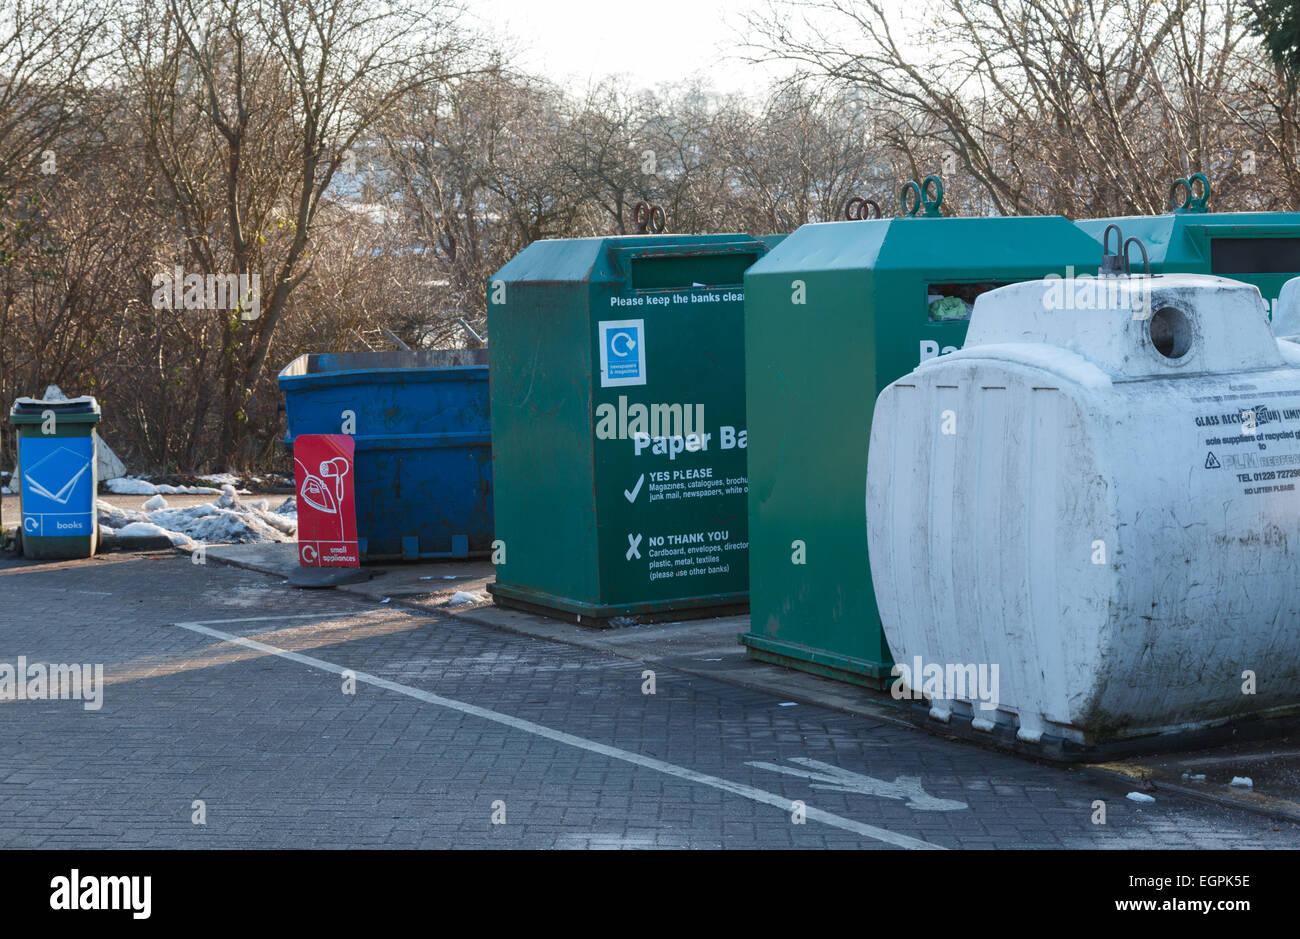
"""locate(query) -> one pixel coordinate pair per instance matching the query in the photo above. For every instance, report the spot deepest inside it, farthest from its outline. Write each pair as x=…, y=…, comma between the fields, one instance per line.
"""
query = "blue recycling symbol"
x=622, y=357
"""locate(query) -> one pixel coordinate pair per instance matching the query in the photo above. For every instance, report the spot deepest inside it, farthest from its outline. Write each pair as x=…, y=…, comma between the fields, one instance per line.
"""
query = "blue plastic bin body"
x=423, y=445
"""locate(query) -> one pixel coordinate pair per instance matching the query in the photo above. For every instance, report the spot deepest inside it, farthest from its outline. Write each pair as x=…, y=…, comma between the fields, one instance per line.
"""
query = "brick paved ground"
x=281, y=757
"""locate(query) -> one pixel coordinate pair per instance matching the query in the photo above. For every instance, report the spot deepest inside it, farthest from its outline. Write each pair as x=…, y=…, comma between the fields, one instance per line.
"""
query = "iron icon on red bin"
x=327, y=518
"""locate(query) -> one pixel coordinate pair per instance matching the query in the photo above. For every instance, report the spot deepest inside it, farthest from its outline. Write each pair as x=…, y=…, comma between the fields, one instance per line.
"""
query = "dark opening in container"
x=1254, y=255
x=1170, y=332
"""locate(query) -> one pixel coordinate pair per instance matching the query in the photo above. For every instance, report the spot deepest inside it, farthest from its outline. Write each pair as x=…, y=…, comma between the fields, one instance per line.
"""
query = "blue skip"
x=423, y=444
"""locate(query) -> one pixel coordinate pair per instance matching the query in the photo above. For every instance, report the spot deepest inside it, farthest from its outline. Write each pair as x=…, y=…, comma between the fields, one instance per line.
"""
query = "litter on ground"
x=460, y=596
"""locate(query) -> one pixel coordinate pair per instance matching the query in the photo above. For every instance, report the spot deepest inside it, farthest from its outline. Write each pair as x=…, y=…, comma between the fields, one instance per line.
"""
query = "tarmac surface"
x=239, y=711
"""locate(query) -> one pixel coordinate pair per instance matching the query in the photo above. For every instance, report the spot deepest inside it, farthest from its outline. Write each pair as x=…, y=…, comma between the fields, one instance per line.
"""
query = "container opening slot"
x=952, y=302
x=681, y=272
x=1254, y=256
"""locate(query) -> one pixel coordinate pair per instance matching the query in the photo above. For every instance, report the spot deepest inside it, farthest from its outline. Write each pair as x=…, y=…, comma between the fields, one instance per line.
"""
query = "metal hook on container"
x=932, y=205
x=858, y=209
x=1191, y=201
x=648, y=217
x=1112, y=264
x=920, y=197
x=1146, y=262
x=913, y=205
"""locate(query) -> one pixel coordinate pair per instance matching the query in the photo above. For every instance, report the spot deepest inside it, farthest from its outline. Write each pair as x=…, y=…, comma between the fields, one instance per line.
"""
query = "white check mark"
x=635, y=491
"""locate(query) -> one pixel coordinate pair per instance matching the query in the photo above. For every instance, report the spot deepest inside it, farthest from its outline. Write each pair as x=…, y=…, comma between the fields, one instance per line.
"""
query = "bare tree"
x=250, y=109
x=1071, y=106
x=47, y=52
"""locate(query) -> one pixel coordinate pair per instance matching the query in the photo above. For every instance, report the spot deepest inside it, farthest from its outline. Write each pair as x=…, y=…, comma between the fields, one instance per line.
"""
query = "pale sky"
x=578, y=42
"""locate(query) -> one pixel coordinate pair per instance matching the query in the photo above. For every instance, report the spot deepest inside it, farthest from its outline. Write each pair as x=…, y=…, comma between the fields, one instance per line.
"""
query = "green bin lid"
x=83, y=410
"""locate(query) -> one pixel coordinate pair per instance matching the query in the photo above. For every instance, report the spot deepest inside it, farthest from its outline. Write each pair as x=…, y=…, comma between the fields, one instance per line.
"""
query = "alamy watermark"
x=1130, y=293
x=79, y=891
x=626, y=421
x=948, y=681
x=38, y=682
x=180, y=291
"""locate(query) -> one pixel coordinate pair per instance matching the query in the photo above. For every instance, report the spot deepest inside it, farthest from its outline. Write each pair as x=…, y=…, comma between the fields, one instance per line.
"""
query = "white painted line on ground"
x=581, y=743
x=323, y=614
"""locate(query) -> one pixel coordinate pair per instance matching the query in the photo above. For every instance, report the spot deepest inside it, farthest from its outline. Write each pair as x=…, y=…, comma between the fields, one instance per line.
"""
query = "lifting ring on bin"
x=913, y=205
x=1146, y=262
x=648, y=217
x=920, y=197
x=932, y=205
x=859, y=209
x=1191, y=201
x=1112, y=263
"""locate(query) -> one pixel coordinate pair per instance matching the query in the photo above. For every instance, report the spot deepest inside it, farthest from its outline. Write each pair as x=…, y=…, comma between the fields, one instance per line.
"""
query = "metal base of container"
x=875, y=675
x=411, y=551
x=77, y=548
x=615, y=616
x=1060, y=750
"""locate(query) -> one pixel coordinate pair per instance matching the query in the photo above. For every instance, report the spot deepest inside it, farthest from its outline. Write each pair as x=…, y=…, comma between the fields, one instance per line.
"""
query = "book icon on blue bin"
x=55, y=475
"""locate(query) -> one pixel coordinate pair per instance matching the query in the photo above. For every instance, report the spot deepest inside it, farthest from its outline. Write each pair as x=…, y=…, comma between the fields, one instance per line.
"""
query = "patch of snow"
x=1244, y=782
x=1290, y=349
x=1140, y=797
x=110, y=514
x=1064, y=362
x=149, y=529
x=130, y=486
x=4, y=490
x=55, y=393
x=288, y=507
x=226, y=520
x=154, y=503
x=285, y=524
x=460, y=597
x=220, y=479
x=137, y=486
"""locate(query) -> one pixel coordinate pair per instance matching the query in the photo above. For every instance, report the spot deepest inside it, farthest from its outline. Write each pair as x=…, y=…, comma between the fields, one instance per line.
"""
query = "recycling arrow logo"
x=1211, y=461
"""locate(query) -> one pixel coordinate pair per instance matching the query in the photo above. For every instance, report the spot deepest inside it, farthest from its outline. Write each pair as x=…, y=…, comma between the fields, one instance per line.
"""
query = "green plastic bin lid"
x=84, y=409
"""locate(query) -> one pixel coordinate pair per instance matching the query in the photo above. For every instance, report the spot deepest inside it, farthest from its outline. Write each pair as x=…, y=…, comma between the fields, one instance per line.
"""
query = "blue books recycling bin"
x=57, y=476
